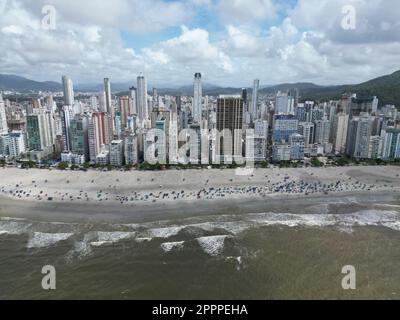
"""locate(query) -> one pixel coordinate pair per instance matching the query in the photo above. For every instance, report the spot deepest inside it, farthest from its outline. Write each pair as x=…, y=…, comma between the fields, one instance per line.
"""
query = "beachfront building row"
x=118, y=130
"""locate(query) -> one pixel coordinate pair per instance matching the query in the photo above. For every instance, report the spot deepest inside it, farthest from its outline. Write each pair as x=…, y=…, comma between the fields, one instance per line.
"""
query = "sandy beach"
x=71, y=195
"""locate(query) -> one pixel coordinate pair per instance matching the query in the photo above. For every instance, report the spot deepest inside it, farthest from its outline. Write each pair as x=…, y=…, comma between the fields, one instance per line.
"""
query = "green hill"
x=386, y=88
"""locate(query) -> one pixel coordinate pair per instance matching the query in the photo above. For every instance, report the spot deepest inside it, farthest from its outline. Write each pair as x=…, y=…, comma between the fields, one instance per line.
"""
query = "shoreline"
x=86, y=213
x=234, y=195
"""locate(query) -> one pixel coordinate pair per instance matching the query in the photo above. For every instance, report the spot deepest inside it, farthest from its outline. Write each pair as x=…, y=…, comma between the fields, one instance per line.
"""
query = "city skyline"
x=273, y=41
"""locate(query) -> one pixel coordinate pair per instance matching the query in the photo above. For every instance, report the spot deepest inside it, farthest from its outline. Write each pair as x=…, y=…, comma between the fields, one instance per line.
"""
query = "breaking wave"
x=212, y=245
x=43, y=240
x=169, y=246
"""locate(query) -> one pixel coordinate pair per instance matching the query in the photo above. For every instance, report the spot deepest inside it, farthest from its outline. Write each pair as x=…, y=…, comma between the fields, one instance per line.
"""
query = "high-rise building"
x=131, y=149
x=79, y=136
x=12, y=144
x=244, y=97
x=322, y=131
x=281, y=152
x=3, y=117
x=296, y=95
x=173, y=139
x=155, y=98
x=339, y=132
x=260, y=141
x=307, y=130
x=109, y=107
x=195, y=144
x=68, y=91
x=142, y=103
x=102, y=101
x=358, y=137
x=154, y=144
x=284, y=126
x=66, y=116
x=254, y=100
x=375, y=147
x=230, y=116
x=4, y=144
x=40, y=129
x=133, y=100
x=363, y=105
x=197, y=98
x=94, y=103
x=296, y=147
x=391, y=144
x=284, y=104
x=98, y=133
x=125, y=107
x=117, y=153
x=107, y=90
x=301, y=112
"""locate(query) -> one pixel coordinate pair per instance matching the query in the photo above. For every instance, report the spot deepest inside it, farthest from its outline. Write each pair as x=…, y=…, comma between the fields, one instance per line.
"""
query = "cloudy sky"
x=231, y=42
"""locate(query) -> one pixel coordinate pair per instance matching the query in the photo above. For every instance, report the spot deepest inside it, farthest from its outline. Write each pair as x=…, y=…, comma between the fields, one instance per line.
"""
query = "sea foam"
x=43, y=240
x=212, y=245
x=165, y=232
x=111, y=237
x=169, y=246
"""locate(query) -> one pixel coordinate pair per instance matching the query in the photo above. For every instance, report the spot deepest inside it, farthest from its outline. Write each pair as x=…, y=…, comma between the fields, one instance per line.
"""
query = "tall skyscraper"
x=117, y=153
x=68, y=91
x=297, y=145
x=284, y=104
x=98, y=133
x=107, y=90
x=66, y=116
x=40, y=129
x=307, y=130
x=339, y=132
x=362, y=105
x=133, y=100
x=197, y=98
x=155, y=98
x=260, y=141
x=358, y=137
x=3, y=118
x=322, y=131
x=109, y=108
x=125, y=106
x=230, y=116
x=391, y=149
x=79, y=135
x=131, y=149
x=142, y=105
x=375, y=147
x=102, y=101
x=254, y=100
x=284, y=126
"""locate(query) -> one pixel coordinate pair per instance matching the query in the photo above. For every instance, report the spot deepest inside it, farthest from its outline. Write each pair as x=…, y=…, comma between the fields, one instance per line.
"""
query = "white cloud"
x=246, y=11
x=242, y=42
x=376, y=20
x=128, y=15
x=307, y=45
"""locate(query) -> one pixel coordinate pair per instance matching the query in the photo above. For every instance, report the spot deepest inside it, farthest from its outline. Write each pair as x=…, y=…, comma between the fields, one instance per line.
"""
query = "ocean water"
x=270, y=255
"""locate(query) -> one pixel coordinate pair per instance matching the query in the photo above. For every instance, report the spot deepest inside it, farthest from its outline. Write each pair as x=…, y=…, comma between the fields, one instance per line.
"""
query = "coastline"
x=385, y=182
x=69, y=213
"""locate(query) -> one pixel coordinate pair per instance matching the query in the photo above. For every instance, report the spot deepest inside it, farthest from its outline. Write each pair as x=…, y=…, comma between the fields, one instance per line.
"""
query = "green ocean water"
x=272, y=256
